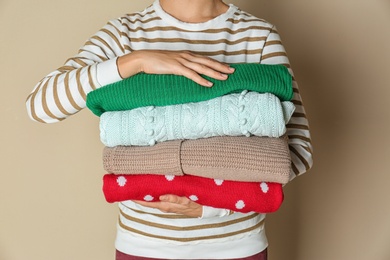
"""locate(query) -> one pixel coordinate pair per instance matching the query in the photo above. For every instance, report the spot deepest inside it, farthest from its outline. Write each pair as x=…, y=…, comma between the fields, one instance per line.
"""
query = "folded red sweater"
x=262, y=197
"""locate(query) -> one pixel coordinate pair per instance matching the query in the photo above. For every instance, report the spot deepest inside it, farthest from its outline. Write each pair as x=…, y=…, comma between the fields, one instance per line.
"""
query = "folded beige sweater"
x=238, y=158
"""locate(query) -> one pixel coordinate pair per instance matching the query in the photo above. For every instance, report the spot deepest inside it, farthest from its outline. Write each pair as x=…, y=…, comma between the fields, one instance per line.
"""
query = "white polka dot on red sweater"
x=170, y=177
x=148, y=198
x=240, y=204
x=264, y=187
x=121, y=181
x=218, y=182
x=193, y=197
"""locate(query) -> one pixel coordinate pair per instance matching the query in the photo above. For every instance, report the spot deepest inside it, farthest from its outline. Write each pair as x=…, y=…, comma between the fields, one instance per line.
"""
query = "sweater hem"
x=238, y=248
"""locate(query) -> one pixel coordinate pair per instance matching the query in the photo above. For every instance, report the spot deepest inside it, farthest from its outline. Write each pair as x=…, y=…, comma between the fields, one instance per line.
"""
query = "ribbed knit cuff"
x=163, y=158
x=107, y=72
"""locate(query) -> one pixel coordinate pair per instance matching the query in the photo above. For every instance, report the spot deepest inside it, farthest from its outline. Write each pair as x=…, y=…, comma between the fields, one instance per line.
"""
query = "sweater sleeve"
x=298, y=126
x=63, y=92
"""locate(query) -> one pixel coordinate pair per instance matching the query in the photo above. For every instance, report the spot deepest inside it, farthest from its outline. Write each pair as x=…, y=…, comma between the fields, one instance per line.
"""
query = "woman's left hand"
x=175, y=204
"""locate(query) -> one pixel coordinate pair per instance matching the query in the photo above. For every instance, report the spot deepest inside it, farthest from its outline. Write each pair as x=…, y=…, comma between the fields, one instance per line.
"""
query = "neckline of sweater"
x=213, y=23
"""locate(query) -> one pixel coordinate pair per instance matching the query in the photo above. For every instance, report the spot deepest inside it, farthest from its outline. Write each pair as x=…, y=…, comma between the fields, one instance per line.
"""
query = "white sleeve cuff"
x=107, y=72
x=209, y=212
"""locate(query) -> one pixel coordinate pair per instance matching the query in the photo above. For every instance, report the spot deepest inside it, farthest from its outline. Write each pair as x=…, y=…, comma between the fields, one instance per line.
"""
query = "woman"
x=189, y=38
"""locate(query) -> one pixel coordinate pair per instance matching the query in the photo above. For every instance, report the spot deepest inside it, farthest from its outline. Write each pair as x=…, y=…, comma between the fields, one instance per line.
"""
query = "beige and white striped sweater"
x=233, y=37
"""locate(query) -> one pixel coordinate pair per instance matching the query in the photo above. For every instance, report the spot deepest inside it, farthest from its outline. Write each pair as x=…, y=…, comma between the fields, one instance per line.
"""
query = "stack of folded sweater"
x=223, y=146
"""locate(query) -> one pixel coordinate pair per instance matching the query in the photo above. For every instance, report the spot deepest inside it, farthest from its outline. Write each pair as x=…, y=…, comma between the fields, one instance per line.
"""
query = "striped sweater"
x=233, y=37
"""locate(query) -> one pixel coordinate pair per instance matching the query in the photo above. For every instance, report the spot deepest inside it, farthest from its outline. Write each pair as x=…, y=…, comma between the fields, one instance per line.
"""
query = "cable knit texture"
x=250, y=159
x=161, y=90
x=248, y=113
x=238, y=196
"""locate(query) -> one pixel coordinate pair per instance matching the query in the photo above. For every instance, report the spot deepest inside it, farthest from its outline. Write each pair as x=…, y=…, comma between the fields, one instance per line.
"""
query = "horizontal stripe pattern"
x=298, y=126
x=242, y=38
x=184, y=229
x=239, y=40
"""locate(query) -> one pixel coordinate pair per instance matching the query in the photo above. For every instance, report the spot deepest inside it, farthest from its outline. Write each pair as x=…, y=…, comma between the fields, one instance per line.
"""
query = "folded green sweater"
x=161, y=90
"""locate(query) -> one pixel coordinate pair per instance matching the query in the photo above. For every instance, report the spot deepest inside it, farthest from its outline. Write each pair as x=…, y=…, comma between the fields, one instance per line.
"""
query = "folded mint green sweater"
x=248, y=113
x=161, y=90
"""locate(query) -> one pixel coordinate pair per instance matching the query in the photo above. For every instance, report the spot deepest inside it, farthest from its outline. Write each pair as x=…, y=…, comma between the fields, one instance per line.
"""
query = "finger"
x=176, y=204
x=172, y=199
x=209, y=62
x=194, y=76
x=146, y=203
x=165, y=207
x=205, y=70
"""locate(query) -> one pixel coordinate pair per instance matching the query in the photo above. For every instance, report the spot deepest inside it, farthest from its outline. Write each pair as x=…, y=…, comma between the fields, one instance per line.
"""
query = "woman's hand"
x=182, y=63
x=175, y=204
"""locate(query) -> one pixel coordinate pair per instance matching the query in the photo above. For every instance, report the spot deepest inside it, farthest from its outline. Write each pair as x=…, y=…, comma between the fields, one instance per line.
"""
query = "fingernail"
x=210, y=84
x=224, y=75
x=232, y=69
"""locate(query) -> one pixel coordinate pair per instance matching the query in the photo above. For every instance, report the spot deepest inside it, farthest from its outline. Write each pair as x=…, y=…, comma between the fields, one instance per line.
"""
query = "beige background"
x=50, y=187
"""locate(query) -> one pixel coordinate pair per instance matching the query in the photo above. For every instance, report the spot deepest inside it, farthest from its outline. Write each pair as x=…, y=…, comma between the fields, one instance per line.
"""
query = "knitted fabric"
x=162, y=158
x=249, y=159
x=248, y=113
x=238, y=196
x=161, y=90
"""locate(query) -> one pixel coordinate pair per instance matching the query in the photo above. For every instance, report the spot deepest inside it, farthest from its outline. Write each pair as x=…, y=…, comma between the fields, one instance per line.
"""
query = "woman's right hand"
x=183, y=63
